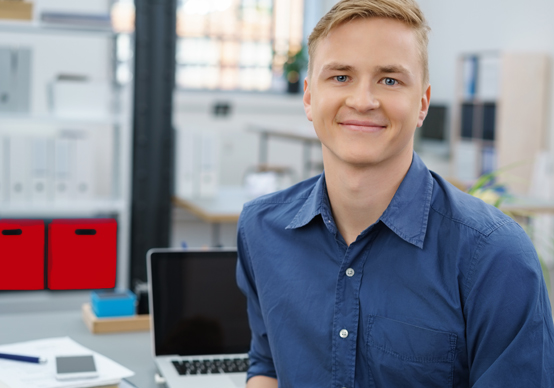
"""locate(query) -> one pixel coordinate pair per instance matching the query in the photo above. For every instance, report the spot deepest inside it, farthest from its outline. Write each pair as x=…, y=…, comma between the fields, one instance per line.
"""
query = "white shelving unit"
x=35, y=27
x=117, y=202
x=500, y=116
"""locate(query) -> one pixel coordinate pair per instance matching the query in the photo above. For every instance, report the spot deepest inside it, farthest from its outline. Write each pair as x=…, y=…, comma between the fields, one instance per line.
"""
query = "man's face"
x=365, y=95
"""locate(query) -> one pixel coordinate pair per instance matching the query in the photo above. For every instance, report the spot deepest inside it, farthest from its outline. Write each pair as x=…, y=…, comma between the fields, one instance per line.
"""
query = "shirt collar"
x=406, y=215
x=408, y=211
x=317, y=203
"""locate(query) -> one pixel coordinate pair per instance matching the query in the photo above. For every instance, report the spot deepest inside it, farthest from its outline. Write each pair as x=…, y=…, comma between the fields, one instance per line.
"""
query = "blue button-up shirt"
x=442, y=291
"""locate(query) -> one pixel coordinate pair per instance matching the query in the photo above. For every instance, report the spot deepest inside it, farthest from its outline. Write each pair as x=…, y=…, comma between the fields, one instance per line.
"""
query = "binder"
x=3, y=166
x=489, y=78
x=82, y=254
x=18, y=169
x=15, y=70
x=471, y=66
x=83, y=180
x=63, y=158
x=40, y=183
x=21, y=254
x=5, y=79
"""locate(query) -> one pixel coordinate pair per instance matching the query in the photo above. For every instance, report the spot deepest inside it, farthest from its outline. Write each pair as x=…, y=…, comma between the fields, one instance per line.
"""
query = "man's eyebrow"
x=393, y=69
x=335, y=66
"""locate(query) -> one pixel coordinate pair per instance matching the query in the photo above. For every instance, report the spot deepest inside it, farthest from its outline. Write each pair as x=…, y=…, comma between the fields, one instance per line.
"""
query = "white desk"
x=132, y=350
x=224, y=207
x=304, y=134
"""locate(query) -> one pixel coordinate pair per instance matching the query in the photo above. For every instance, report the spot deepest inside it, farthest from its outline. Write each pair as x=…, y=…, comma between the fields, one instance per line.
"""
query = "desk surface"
x=528, y=206
x=224, y=207
x=132, y=350
x=227, y=205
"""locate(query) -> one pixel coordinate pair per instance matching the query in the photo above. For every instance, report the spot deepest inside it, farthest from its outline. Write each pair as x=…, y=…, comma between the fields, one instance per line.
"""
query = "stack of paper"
x=15, y=374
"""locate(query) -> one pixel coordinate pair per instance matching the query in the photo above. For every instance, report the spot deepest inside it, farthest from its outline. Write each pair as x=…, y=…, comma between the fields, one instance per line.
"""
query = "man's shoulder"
x=458, y=207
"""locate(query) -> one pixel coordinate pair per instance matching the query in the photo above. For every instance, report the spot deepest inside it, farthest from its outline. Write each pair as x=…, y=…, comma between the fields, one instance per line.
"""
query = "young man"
x=378, y=273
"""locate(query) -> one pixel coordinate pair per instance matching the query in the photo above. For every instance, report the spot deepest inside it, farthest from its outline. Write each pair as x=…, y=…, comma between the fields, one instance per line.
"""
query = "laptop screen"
x=197, y=307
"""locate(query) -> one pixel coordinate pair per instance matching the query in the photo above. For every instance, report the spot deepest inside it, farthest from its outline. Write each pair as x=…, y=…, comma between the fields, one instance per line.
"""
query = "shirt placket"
x=347, y=312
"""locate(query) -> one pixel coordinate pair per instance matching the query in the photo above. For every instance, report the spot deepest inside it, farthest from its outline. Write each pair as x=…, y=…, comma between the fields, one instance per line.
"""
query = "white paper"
x=16, y=374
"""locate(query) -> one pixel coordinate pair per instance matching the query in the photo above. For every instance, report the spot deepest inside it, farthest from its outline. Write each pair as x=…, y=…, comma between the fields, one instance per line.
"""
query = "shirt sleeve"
x=510, y=333
x=261, y=360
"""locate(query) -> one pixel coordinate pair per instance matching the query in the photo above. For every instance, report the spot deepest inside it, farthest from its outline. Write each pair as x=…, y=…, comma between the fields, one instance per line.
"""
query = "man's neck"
x=359, y=195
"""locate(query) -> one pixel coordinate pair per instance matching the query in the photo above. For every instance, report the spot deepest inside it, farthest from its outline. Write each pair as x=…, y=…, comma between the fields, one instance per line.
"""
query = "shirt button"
x=343, y=333
x=350, y=272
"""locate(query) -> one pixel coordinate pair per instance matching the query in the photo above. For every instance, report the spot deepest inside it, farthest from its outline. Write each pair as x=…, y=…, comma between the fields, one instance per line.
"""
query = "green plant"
x=495, y=194
x=295, y=63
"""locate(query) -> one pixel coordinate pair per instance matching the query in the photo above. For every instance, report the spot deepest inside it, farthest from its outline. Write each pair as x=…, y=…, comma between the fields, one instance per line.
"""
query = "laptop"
x=200, y=328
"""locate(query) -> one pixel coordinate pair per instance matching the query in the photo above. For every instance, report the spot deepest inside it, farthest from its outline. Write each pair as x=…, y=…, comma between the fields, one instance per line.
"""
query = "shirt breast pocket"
x=404, y=355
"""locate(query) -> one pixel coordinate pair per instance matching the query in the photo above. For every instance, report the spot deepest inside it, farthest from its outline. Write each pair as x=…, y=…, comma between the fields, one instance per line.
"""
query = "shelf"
x=61, y=209
x=477, y=101
x=35, y=27
x=53, y=119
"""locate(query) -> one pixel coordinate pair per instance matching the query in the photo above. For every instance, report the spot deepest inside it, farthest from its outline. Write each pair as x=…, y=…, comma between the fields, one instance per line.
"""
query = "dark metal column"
x=152, y=132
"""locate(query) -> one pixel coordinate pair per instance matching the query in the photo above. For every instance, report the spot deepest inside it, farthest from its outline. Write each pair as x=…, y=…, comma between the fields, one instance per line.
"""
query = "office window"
x=236, y=44
x=123, y=22
x=221, y=44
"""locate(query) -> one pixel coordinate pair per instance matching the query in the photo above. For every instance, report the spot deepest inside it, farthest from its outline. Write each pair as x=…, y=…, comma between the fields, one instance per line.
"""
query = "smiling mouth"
x=362, y=126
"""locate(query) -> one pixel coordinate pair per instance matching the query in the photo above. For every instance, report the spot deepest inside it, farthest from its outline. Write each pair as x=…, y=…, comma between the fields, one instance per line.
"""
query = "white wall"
x=477, y=25
x=52, y=53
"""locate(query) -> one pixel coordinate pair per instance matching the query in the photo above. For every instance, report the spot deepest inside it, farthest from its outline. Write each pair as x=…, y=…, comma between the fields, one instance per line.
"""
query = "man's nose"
x=363, y=98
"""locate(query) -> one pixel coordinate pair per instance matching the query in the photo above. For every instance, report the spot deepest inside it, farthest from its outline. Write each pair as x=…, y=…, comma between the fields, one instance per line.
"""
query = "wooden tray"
x=113, y=325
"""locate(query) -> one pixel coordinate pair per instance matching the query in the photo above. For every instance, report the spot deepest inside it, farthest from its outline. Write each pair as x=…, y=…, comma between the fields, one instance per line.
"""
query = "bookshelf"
x=35, y=27
x=499, y=116
x=113, y=198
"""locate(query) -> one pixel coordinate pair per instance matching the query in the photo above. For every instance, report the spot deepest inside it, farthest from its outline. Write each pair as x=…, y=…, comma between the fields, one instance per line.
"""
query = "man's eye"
x=341, y=78
x=390, y=81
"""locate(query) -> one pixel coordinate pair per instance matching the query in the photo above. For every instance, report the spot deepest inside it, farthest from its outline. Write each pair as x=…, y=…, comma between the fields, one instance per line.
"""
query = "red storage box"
x=82, y=254
x=21, y=254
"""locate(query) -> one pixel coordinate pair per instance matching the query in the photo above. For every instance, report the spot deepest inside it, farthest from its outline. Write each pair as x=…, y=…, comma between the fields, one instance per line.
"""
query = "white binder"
x=40, y=170
x=3, y=167
x=18, y=169
x=63, y=168
x=83, y=179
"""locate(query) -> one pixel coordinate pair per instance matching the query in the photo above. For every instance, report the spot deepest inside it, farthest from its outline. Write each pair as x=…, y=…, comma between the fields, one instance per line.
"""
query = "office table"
x=224, y=207
x=304, y=134
x=528, y=206
x=132, y=350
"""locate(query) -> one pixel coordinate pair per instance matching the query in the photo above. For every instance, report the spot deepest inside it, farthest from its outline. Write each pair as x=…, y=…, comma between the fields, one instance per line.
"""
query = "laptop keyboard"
x=203, y=367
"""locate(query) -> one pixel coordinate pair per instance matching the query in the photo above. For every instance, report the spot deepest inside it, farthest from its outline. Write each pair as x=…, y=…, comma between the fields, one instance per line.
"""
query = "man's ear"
x=307, y=100
x=424, y=108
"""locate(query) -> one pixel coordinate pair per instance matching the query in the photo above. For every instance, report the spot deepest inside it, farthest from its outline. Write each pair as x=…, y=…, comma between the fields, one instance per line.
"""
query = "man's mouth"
x=363, y=125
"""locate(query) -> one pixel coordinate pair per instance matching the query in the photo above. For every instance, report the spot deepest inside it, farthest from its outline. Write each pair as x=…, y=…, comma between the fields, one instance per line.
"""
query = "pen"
x=16, y=357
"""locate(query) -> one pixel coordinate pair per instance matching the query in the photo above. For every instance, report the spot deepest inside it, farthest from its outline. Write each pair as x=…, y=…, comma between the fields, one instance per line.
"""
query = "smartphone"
x=75, y=367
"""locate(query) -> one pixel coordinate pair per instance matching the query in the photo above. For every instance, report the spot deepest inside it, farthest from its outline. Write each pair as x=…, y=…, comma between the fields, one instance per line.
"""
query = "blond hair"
x=405, y=11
